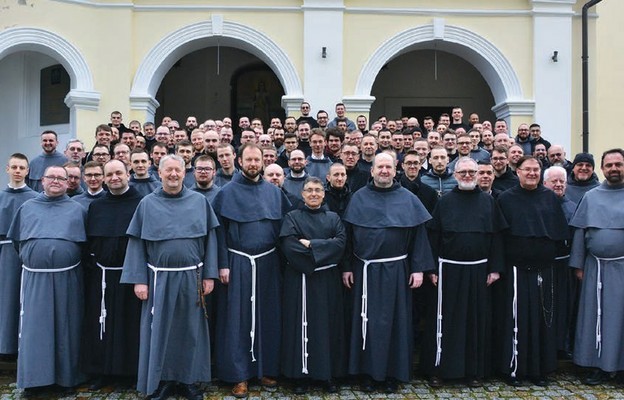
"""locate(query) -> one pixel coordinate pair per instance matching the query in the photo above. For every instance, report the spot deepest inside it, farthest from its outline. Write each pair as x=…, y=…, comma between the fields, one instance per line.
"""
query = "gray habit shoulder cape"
x=172, y=231
x=599, y=232
x=48, y=232
x=10, y=269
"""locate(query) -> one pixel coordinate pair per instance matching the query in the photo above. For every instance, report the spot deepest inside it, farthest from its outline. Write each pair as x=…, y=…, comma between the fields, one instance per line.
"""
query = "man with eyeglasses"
x=112, y=311
x=48, y=232
x=505, y=178
x=306, y=117
x=74, y=151
x=93, y=176
x=468, y=248
x=74, y=179
x=322, y=118
x=410, y=179
x=389, y=252
x=204, y=177
x=529, y=334
x=524, y=139
x=49, y=157
x=141, y=179
x=464, y=147
x=356, y=177
x=11, y=198
x=450, y=144
x=121, y=152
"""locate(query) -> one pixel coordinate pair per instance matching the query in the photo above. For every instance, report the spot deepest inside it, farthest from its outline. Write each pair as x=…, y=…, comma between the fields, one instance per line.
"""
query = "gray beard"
x=466, y=186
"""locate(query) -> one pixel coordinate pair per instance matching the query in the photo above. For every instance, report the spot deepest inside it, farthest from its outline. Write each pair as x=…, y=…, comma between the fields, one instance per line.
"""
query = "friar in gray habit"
x=171, y=259
x=48, y=231
x=11, y=198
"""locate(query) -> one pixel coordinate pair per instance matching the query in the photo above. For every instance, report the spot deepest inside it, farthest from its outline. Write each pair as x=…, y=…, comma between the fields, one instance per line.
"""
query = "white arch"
x=82, y=95
x=193, y=37
x=487, y=58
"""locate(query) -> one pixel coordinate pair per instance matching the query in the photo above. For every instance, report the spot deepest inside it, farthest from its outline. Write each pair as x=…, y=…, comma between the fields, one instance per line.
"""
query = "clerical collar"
x=119, y=194
x=322, y=157
x=299, y=175
x=23, y=185
x=96, y=193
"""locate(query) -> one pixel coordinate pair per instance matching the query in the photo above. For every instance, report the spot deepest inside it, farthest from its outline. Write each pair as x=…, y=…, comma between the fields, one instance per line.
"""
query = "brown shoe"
x=268, y=382
x=240, y=390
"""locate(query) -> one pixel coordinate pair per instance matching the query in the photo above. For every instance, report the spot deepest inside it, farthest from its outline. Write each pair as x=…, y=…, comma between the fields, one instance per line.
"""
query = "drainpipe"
x=585, y=57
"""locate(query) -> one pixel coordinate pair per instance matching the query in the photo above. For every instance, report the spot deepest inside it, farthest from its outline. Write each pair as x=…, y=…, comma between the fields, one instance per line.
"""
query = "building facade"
x=519, y=60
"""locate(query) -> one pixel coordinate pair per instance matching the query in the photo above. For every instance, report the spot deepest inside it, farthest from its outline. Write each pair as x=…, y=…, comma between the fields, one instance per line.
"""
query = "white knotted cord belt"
x=252, y=260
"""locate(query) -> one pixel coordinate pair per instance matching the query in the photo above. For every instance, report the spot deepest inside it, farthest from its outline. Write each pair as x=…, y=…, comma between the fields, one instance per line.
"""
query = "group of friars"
x=138, y=285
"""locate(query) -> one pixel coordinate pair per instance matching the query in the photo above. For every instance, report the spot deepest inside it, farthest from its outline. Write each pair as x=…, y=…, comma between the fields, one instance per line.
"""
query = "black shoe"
x=435, y=382
x=540, y=381
x=330, y=386
x=367, y=385
x=596, y=377
x=474, y=383
x=300, y=388
x=164, y=391
x=99, y=382
x=190, y=392
x=36, y=392
x=513, y=381
x=391, y=385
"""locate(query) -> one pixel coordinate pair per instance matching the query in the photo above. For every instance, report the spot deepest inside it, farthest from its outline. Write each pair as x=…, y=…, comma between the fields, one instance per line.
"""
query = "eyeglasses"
x=91, y=176
x=467, y=172
x=449, y=139
x=204, y=169
x=464, y=143
x=499, y=158
x=411, y=164
x=350, y=153
x=56, y=178
x=527, y=170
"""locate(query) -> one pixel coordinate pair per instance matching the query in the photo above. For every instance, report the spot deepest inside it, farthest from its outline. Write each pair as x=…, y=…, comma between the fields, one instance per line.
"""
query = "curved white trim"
x=193, y=37
x=81, y=95
x=489, y=60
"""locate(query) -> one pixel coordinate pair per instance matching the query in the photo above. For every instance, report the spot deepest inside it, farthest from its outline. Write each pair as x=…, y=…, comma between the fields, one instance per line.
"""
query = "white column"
x=552, y=77
x=322, y=77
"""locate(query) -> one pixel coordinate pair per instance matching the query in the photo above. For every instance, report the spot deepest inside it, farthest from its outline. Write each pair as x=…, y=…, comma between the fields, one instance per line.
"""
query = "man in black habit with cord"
x=465, y=239
x=112, y=311
x=536, y=237
x=313, y=241
x=390, y=250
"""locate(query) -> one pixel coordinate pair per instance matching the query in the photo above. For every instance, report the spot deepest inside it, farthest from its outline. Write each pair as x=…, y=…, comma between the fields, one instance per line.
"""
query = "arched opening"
x=215, y=82
x=213, y=34
x=429, y=82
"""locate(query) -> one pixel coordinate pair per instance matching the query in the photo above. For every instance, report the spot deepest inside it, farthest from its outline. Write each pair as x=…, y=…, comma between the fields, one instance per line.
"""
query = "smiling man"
x=583, y=178
x=49, y=157
x=249, y=299
x=48, y=232
x=171, y=259
x=389, y=253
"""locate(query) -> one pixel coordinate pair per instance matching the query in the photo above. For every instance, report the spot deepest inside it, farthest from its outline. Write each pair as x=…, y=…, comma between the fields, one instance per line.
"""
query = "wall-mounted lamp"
x=324, y=52
x=555, y=56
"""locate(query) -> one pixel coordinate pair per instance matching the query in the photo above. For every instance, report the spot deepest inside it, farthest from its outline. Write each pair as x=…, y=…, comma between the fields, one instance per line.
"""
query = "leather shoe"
x=367, y=385
x=513, y=381
x=330, y=386
x=268, y=382
x=474, y=383
x=596, y=377
x=240, y=390
x=190, y=392
x=300, y=387
x=98, y=383
x=435, y=382
x=540, y=381
x=391, y=385
x=39, y=391
x=164, y=391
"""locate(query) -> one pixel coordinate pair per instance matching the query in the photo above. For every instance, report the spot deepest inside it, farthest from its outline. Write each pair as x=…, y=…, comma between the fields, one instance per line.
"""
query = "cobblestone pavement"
x=564, y=385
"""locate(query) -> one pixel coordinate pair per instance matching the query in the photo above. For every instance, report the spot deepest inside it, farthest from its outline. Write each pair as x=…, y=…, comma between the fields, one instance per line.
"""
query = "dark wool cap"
x=584, y=157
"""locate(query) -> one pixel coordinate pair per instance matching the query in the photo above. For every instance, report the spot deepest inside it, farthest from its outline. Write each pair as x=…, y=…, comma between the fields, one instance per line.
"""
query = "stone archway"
x=487, y=59
x=163, y=56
